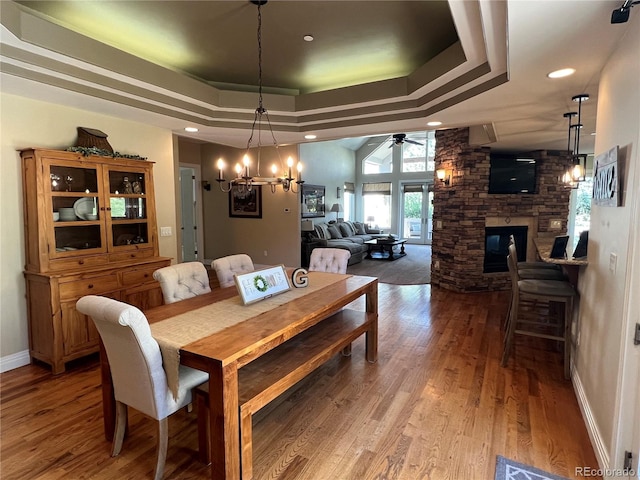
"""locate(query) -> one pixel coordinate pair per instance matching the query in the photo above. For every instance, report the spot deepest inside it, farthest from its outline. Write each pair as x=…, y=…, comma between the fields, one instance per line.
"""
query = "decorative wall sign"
x=261, y=284
x=245, y=203
x=299, y=278
x=606, y=182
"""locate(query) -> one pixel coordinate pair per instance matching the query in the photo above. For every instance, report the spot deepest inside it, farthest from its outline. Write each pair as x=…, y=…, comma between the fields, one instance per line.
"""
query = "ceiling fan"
x=400, y=138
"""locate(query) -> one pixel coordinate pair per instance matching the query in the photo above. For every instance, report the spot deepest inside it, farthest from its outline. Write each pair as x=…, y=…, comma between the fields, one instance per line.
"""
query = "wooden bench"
x=270, y=375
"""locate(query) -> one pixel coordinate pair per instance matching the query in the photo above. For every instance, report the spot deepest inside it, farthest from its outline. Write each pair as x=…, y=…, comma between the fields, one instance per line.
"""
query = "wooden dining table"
x=223, y=354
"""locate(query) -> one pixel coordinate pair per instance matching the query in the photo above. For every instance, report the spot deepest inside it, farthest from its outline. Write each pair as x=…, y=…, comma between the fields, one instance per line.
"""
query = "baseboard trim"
x=14, y=360
x=602, y=455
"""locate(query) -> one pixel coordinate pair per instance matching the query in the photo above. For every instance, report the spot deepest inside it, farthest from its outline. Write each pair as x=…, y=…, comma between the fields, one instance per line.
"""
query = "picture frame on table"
x=261, y=284
x=245, y=203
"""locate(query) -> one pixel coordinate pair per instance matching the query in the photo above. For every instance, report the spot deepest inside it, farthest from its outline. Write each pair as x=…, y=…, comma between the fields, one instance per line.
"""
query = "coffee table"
x=382, y=248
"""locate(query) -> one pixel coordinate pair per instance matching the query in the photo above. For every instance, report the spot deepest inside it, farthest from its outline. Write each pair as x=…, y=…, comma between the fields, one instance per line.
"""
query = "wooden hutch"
x=90, y=229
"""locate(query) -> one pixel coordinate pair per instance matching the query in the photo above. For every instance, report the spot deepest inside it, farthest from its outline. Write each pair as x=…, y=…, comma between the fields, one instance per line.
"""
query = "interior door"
x=416, y=212
x=189, y=214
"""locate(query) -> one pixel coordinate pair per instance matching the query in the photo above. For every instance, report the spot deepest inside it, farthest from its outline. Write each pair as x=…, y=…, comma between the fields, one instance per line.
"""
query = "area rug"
x=507, y=469
x=412, y=269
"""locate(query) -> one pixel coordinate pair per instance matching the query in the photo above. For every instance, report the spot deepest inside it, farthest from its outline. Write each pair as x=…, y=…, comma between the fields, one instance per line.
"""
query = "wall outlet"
x=165, y=231
x=439, y=224
x=555, y=224
x=613, y=262
x=436, y=264
x=265, y=253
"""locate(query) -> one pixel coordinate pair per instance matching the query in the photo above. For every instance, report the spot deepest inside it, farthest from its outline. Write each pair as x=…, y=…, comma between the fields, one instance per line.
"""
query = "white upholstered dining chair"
x=182, y=281
x=138, y=377
x=227, y=267
x=334, y=260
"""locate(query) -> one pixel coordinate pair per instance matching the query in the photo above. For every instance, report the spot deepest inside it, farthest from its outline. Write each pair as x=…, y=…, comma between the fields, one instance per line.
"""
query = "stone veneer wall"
x=460, y=210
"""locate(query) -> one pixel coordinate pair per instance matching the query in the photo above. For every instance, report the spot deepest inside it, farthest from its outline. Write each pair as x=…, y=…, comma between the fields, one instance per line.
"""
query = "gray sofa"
x=346, y=235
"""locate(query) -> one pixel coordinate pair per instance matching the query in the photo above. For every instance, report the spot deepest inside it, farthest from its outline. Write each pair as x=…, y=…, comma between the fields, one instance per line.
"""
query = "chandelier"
x=576, y=170
x=244, y=181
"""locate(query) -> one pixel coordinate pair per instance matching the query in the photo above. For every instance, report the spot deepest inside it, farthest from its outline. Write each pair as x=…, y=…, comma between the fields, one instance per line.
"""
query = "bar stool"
x=532, y=311
x=532, y=265
x=532, y=271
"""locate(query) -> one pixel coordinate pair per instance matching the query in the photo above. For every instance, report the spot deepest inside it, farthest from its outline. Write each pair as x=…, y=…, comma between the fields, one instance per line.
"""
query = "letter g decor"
x=299, y=278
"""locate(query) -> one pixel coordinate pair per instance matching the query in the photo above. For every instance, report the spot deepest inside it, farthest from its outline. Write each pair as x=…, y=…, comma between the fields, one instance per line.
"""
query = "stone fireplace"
x=463, y=210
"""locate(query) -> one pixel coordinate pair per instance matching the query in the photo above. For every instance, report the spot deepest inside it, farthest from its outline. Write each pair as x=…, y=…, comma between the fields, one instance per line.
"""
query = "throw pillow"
x=360, y=228
x=344, y=230
x=351, y=228
x=322, y=231
x=335, y=233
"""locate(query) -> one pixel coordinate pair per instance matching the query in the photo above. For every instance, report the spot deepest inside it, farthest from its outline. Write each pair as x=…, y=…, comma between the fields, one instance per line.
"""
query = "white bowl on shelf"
x=56, y=216
x=67, y=214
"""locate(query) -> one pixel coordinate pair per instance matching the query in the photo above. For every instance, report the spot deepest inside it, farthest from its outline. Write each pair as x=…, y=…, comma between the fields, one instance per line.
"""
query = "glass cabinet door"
x=127, y=223
x=75, y=193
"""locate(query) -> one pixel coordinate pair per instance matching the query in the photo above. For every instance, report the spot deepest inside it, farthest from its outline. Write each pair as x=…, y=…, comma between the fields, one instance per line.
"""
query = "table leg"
x=390, y=248
x=224, y=424
x=371, y=349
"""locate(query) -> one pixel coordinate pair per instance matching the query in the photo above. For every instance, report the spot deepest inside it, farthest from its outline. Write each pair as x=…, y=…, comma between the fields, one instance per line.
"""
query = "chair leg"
x=505, y=323
x=121, y=426
x=163, y=440
x=509, y=334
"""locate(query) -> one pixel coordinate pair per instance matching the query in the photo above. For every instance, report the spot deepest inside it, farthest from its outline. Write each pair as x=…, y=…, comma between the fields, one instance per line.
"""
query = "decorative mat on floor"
x=509, y=470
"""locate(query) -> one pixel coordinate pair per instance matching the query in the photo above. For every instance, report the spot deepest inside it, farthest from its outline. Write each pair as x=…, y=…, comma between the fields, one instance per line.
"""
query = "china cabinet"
x=90, y=229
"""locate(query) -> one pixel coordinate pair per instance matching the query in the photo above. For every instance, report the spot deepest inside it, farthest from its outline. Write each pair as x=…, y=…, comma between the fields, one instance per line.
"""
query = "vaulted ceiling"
x=372, y=68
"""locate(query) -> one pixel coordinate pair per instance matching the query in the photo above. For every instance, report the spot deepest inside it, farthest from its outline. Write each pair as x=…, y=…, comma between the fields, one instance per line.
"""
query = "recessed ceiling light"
x=308, y=38
x=563, y=72
x=310, y=137
x=435, y=123
x=190, y=129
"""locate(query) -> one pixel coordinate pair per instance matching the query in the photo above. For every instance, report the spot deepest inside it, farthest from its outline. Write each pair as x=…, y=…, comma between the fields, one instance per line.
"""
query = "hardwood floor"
x=436, y=405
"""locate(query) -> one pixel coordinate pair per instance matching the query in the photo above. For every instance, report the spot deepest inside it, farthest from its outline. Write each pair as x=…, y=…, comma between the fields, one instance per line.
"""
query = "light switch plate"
x=555, y=224
x=613, y=260
x=165, y=231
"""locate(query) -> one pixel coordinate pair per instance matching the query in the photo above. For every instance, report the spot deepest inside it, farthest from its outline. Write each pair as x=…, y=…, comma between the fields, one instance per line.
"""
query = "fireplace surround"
x=496, y=247
x=463, y=209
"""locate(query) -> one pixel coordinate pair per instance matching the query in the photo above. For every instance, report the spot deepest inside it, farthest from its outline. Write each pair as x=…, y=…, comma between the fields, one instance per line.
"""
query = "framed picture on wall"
x=245, y=203
x=312, y=201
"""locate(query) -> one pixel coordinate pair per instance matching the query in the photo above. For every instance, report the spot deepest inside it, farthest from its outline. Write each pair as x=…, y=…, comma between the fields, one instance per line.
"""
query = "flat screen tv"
x=512, y=174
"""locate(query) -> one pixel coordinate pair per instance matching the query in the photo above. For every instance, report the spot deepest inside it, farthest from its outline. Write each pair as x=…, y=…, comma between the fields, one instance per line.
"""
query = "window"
x=581, y=213
x=413, y=158
x=379, y=161
x=349, y=201
x=419, y=158
x=376, y=198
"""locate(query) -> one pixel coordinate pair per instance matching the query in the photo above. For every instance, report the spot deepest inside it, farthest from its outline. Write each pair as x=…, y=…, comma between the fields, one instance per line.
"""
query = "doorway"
x=416, y=212
x=192, y=243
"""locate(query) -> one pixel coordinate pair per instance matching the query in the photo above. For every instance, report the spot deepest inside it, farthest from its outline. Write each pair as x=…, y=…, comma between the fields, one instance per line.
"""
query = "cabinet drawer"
x=66, y=264
x=138, y=277
x=132, y=255
x=90, y=286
